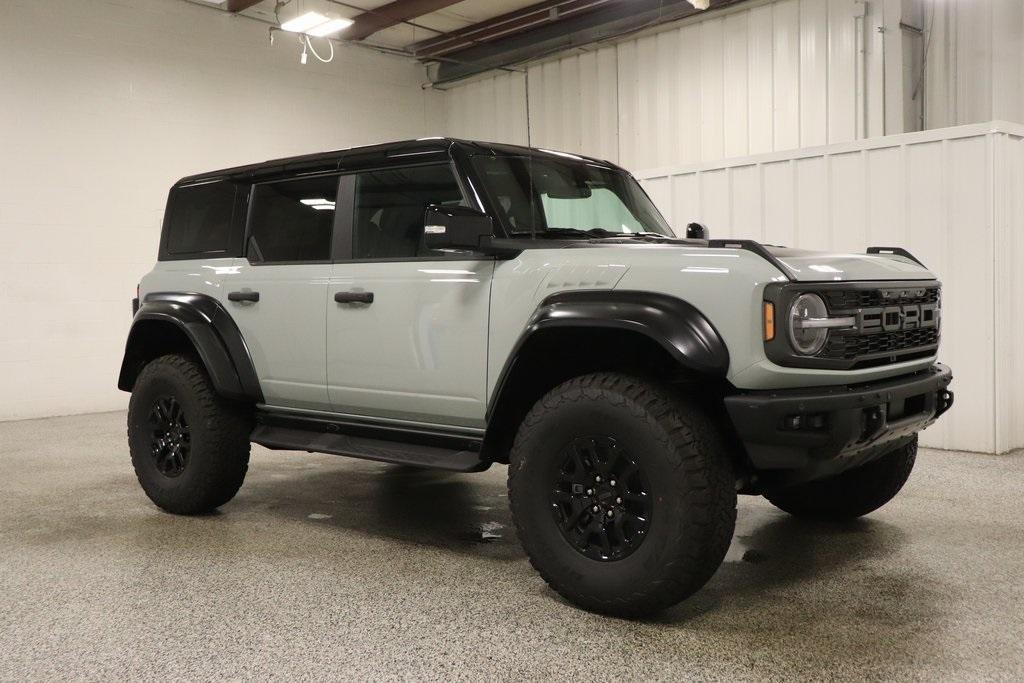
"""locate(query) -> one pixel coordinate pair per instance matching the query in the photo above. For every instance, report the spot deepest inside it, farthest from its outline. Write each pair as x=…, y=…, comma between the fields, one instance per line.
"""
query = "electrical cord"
x=316, y=54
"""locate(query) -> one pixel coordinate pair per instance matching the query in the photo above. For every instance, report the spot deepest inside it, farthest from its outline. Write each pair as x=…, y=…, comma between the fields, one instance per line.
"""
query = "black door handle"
x=243, y=296
x=354, y=297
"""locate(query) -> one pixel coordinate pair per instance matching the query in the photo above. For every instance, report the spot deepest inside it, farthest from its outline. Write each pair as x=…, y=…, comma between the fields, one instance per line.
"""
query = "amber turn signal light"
x=769, y=321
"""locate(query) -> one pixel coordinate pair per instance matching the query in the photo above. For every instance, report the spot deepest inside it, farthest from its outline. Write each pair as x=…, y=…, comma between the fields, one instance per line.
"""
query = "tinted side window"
x=390, y=205
x=199, y=221
x=292, y=220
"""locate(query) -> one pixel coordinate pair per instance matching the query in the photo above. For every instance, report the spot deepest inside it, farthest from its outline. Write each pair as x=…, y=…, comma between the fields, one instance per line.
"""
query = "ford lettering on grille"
x=897, y=318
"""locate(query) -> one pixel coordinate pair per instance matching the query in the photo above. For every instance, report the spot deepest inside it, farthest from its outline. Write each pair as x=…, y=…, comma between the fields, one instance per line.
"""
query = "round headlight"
x=805, y=337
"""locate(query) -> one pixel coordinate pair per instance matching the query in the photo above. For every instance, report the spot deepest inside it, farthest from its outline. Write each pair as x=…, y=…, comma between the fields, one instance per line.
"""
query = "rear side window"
x=292, y=220
x=200, y=221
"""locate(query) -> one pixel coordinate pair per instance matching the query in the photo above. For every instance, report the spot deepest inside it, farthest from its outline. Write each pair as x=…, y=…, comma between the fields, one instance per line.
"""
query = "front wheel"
x=853, y=493
x=623, y=494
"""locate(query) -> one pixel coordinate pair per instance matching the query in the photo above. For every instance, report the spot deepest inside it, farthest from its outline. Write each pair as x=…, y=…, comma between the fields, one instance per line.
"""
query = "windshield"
x=539, y=195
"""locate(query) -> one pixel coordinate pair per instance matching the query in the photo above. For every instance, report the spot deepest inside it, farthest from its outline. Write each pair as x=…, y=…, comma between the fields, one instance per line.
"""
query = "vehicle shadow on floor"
x=464, y=513
x=771, y=557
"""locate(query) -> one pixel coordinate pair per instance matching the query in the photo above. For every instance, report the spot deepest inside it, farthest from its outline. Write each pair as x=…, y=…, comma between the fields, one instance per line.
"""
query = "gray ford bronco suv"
x=452, y=304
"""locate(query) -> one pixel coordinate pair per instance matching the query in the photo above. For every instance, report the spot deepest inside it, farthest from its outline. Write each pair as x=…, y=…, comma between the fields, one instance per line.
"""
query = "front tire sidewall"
x=688, y=532
x=547, y=447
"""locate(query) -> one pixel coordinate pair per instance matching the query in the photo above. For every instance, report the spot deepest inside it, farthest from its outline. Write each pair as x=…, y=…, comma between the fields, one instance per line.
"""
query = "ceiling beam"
x=610, y=20
x=392, y=14
x=511, y=22
x=239, y=5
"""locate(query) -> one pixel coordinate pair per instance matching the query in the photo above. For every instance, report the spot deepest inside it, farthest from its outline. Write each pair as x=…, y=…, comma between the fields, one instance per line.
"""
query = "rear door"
x=406, y=326
x=278, y=295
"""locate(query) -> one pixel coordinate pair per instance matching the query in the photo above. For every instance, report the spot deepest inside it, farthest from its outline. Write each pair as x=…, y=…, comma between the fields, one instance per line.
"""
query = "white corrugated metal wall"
x=766, y=75
x=951, y=196
x=975, y=62
x=493, y=109
x=761, y=77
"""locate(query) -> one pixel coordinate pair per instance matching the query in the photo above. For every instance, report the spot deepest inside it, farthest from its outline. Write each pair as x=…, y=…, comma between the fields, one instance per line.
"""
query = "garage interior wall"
x=759, y=77
x=951, y=196
x=975, y=67
x=97, y=121
x=764, y=122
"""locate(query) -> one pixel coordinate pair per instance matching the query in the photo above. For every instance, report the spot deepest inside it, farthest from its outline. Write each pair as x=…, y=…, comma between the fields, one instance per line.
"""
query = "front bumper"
x=824, y=430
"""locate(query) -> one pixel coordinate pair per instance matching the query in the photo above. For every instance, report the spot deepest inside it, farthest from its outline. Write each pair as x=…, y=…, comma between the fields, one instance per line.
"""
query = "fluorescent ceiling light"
x=304, y=22
x=319, y=204
x=329, y=27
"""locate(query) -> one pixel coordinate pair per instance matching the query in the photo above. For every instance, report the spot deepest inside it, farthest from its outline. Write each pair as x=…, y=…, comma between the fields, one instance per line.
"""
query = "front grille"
x=851, y=299
x=873, y=346
x=895, y=321
x=853, y=347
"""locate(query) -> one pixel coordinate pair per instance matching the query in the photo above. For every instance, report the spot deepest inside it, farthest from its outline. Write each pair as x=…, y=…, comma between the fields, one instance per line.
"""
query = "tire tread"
x=697, y=451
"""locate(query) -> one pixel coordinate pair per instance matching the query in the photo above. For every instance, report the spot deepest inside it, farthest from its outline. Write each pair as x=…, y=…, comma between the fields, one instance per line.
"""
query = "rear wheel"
x=189, y=446
x=623, y=494
x=853, y=493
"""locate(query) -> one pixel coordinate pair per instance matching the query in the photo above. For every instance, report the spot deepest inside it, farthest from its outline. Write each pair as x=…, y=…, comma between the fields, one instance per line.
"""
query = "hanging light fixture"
x=310, y=18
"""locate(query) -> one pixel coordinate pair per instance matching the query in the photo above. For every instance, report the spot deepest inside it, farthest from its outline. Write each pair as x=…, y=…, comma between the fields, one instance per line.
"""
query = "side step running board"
x=419, y=447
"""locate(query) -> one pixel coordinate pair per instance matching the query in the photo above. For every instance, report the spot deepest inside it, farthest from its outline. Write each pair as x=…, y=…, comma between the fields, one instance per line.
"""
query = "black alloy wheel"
x=171, y=440
x=601, y=499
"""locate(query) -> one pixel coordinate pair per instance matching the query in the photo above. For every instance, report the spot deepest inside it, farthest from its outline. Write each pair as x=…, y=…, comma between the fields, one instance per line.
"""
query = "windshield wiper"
x=576, y=232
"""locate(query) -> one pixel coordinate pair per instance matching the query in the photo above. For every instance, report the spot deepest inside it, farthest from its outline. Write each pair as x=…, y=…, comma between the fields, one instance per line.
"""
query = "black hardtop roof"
x=370, y=155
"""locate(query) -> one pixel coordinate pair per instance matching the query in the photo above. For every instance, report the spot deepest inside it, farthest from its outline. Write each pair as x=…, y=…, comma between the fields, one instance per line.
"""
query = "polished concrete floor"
x=325, y=567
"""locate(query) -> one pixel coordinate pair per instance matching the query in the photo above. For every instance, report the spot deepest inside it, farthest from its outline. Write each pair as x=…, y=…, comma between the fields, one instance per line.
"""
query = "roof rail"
x=757, y=248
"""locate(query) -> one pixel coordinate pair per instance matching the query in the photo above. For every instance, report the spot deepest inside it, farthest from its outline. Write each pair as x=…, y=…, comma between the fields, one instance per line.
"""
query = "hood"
x=819, y=266
x=801, y=265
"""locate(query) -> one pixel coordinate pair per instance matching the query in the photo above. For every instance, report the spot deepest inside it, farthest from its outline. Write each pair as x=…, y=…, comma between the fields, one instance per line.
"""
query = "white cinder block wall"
x=104, y=104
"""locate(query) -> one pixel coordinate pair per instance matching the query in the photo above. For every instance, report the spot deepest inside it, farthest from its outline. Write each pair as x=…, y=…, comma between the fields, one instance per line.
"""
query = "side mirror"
x=456, y=227
x=696, y=231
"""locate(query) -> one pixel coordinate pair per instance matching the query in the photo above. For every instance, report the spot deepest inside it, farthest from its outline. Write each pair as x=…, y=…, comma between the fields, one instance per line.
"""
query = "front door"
x=278, y=295
x=407, y=327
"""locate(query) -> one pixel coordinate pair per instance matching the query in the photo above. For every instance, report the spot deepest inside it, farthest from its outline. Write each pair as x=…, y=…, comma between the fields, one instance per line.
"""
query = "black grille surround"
x=897, y=321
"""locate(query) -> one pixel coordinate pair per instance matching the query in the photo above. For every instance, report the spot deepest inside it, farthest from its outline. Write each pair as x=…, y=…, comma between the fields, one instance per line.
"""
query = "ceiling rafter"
x=504, y=24
x=499, y=46
x=239, y=5
x=392, y=14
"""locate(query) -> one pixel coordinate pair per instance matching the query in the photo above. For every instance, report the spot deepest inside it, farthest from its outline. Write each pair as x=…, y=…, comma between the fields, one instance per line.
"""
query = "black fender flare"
x=210, y=329
x=676, y=325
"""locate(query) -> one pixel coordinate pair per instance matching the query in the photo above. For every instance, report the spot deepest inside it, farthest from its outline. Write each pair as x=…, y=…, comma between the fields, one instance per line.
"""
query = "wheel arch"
x=577, y=332
x=169, y=322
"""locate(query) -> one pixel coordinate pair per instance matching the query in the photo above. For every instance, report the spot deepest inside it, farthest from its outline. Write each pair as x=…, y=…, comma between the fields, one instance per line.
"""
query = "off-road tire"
x=218, y=455
x=853, y=493
x=693, y=491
